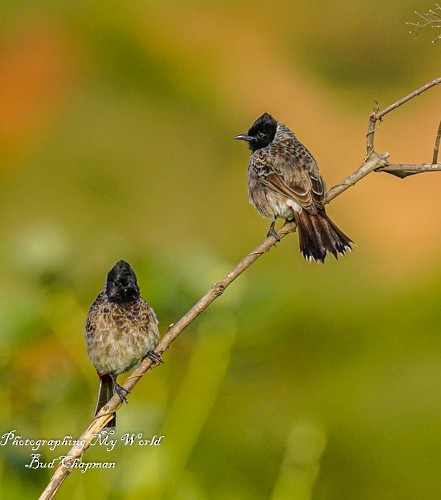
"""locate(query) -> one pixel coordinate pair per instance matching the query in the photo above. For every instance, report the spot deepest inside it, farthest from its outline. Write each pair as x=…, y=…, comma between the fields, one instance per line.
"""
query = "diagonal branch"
x=410, y=96
x=373, y=162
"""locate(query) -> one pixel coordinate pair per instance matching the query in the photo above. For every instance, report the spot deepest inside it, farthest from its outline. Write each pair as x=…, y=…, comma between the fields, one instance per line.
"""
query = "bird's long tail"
x=318, y=235
x=104, y=395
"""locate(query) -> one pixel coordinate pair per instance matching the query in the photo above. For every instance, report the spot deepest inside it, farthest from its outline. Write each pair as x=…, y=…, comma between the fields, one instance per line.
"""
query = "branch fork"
x=399, y=169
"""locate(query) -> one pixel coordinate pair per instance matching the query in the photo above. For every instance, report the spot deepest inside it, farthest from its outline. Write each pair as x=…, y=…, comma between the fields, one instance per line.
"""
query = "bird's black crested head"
x=121, y=284
x=261, y=134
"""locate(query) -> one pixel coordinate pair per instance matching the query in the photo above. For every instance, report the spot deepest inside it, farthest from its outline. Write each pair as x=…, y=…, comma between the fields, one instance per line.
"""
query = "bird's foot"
x=272, y=232
x=121, y=391
x=156, y=358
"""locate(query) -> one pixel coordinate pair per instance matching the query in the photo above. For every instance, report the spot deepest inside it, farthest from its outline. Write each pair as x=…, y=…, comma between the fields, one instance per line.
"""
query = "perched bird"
x=284, y=181
x=121, y=330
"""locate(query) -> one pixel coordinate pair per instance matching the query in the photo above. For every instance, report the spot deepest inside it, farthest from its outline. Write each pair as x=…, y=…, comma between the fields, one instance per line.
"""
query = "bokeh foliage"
x=302, y=381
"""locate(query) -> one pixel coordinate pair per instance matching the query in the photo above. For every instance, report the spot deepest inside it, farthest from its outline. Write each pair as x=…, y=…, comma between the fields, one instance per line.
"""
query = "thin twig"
x=372, y=128
x=373, y=162
x=413, y=94
x=436, y=148
x=377, y=115
x=430, y=18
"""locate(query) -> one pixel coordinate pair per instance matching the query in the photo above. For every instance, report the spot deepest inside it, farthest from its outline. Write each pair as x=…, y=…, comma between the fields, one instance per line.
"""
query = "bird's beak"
x=244, y=137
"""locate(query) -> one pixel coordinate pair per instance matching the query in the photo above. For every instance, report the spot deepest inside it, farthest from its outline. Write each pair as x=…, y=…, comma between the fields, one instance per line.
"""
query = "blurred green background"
x=302, y=381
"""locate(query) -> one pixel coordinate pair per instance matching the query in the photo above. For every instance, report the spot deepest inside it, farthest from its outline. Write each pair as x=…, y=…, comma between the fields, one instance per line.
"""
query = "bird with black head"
x=121, y=330
x=284, y=181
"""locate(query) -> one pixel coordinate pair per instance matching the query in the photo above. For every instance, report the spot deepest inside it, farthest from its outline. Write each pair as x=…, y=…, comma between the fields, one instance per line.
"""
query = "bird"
x=284, y=181
x=121, y=330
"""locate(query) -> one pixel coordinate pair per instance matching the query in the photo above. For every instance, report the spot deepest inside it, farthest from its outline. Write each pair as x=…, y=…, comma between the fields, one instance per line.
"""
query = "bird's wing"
x=296, y=183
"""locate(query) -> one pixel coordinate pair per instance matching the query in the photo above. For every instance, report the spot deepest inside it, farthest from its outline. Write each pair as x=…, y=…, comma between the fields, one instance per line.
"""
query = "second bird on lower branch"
x=121, y=330
x=284, y=182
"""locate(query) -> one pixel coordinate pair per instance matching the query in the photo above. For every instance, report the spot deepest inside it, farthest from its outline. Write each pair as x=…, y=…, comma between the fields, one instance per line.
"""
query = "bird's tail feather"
x=318, y=235
x=105, y=393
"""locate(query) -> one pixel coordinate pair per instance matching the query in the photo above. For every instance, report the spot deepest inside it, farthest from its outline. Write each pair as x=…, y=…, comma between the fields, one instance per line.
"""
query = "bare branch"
x=410, y=96
x=430, y=18
x=376, y=116
x=436, y=148
x=66, y=467
x=372, y=127
x=373, y=162
x=403, y=170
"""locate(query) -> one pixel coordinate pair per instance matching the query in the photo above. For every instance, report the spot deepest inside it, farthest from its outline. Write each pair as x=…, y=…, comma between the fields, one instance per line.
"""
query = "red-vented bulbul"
x=284, y=181
x=121, y=330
